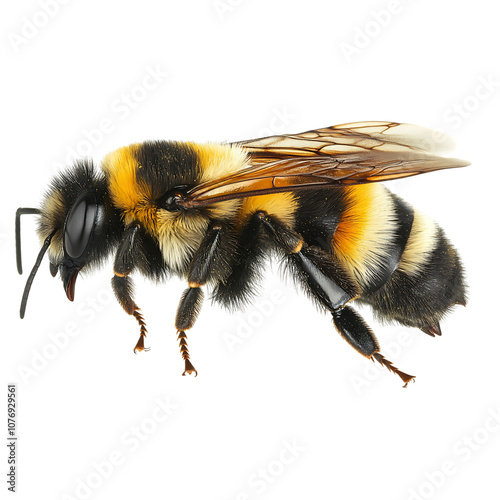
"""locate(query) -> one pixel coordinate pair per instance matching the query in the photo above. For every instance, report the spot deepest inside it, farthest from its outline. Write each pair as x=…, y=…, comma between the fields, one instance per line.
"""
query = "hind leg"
x=331, y=286
x=360, y=336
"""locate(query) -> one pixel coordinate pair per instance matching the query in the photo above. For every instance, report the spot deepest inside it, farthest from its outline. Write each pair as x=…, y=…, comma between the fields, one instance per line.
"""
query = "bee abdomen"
x=425, y=286
x=365, y=227
x=373, y=230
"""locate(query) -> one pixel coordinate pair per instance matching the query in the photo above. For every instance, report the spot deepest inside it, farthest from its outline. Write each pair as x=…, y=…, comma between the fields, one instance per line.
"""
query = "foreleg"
x=122, y=284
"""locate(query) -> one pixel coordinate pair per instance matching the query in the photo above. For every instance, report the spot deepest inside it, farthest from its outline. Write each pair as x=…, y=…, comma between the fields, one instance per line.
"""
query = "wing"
x=354, y=153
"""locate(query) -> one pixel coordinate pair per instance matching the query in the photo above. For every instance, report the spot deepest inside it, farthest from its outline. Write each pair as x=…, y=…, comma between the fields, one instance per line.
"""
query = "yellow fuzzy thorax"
x=134, y=199
x=218, y=160
x=178, y=234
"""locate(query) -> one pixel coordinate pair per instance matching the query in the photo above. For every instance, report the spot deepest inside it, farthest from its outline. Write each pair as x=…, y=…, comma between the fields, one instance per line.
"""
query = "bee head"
x=78, y=226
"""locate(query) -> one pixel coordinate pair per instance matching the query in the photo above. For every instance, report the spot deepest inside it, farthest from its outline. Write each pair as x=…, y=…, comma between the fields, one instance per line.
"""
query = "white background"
x=89, y=421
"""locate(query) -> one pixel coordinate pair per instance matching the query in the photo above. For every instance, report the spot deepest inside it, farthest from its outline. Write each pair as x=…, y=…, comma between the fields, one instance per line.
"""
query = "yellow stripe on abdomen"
x=279, y=205
x=366, y=229
x=421, y=243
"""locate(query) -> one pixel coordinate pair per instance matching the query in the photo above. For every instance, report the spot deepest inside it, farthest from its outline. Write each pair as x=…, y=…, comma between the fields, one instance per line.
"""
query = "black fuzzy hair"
x=68, y=187
x=422, y=300
x=157, y=157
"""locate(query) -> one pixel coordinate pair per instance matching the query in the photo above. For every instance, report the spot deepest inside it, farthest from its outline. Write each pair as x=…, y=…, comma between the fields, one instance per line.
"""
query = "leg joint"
x=287, y=239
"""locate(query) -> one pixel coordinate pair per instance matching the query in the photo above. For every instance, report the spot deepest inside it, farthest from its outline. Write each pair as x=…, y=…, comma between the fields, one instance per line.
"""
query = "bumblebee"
x=213, y=213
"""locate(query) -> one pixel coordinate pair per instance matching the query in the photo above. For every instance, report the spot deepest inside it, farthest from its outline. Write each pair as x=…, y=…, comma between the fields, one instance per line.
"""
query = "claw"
x=189, y=369
x=140, y=345
x=388, y=364
x=138, y=349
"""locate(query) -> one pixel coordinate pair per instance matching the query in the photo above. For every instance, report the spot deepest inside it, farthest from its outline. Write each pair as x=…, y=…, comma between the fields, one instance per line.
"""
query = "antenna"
x=22, y=211
x=31, y=277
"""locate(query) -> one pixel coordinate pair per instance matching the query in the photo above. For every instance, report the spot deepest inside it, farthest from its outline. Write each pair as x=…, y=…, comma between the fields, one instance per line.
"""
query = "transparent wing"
x=354, y=153
x=383, y=136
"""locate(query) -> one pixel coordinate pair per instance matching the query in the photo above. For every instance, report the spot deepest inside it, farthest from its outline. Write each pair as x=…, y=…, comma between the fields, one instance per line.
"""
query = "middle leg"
x=125, y=262
x=210, y=261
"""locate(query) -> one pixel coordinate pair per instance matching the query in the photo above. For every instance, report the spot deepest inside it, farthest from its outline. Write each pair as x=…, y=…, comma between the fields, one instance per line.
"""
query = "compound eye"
x=79, y=225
